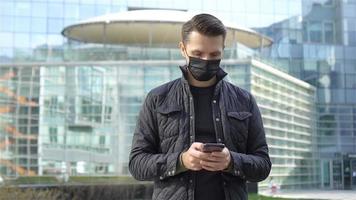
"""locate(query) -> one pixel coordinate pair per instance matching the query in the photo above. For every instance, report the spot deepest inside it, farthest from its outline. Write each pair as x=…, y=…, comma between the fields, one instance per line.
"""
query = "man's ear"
x=222, y=52
x=182, y=50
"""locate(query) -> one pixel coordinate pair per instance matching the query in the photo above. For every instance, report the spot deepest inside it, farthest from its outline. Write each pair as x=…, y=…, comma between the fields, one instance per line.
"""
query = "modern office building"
x=288, y=110
x=318, y=46
x=87, y=113
x=47, y=110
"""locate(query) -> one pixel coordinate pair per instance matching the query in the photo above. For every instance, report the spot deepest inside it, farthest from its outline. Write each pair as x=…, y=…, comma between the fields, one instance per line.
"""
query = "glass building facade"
x=288, y=110
x=77, y=119
x=48, y=110
x=73, y=119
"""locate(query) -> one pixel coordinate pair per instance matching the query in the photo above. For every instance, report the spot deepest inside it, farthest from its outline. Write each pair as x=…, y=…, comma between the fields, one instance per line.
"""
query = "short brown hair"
x=205, y=24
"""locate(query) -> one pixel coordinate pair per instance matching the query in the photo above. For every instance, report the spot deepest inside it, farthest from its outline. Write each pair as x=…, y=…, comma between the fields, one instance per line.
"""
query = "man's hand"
x=216, y=161
x=192, y=158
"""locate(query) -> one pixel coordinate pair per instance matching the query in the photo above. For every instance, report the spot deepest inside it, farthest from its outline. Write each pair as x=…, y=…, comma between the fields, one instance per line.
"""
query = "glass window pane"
x=22, y=9
x=22, y=40
x=7, y=8
x=38, y=40
x=54, y=39
x=351, y=38
x=315, y=32
x=22, y=24
x=71, y=11
x=305, y=31
x=6, y=39
x=350, y=52
x=350, y=66
x=252, y=6
x=338, y=95
x=102, y=10
x=329, y=32
x=55, y=25
x=6, y=23
x=351, y=96
x=38, y=25
x=351, y=81
x=55, y=10
x=349, y=11
x=39, y=9
x=6, y=54
x=86, y=11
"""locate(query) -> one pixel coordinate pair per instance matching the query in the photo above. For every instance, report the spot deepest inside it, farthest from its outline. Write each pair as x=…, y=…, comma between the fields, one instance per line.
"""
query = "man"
x=179, y=117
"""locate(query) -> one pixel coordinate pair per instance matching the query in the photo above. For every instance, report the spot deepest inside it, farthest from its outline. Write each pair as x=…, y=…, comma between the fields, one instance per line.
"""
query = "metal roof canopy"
x=152, y=27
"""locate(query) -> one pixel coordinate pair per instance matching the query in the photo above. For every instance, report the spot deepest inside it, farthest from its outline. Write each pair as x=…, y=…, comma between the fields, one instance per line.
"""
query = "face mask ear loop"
x=186, y=62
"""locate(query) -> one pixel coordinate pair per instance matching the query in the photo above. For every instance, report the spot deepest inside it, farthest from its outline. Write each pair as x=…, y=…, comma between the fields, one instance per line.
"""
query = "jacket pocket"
x=238, y=122
x=167, y=110
x=168, y=119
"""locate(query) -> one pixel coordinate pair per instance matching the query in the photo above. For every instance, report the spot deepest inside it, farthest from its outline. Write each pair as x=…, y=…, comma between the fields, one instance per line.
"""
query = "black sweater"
x=208, y=184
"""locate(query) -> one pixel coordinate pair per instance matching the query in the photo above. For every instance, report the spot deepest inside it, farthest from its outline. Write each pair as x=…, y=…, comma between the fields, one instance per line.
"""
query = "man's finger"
x=218, y=155
x=196, y=167
x=199, y=154
x=214, y=165
x=222, y=153
x=209, y=168
x=215, y=159
x=198, y=146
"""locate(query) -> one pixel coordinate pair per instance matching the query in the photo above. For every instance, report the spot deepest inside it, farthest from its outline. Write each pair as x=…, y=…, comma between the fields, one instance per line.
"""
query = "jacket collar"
x=219, y=75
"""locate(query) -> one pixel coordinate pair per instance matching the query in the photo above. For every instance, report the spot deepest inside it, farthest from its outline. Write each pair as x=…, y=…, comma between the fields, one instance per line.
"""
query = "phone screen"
x=213, y=147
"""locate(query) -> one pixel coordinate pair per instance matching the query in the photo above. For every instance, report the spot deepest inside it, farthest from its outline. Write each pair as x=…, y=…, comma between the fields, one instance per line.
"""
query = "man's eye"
x=197, y=54
x=215, y=55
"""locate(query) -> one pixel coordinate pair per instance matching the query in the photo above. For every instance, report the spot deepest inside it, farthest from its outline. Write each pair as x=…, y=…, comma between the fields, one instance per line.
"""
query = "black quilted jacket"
x=165, y=128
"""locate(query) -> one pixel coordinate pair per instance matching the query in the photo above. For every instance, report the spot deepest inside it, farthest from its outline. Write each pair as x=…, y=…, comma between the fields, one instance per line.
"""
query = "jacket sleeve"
x=255, y=165
x=146, y=162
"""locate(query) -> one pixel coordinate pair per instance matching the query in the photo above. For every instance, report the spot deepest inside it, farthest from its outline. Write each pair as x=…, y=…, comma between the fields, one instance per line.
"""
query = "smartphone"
x=213, y=147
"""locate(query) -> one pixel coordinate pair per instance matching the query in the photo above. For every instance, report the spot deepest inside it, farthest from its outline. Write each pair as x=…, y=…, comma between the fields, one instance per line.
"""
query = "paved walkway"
x=315, y=194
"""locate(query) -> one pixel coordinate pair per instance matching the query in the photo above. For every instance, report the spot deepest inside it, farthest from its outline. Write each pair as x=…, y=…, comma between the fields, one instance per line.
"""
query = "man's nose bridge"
x=205, y=57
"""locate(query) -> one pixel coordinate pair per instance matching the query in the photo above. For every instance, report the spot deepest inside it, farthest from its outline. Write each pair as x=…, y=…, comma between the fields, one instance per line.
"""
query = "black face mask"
x=203, y=70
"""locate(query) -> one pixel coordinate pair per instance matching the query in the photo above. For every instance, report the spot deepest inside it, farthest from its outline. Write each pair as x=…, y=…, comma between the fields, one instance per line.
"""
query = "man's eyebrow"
x=214, y=52
x=196, y=51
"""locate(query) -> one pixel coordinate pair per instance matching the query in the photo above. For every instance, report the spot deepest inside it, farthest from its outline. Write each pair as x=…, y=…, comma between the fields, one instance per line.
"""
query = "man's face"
x=203, y=47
